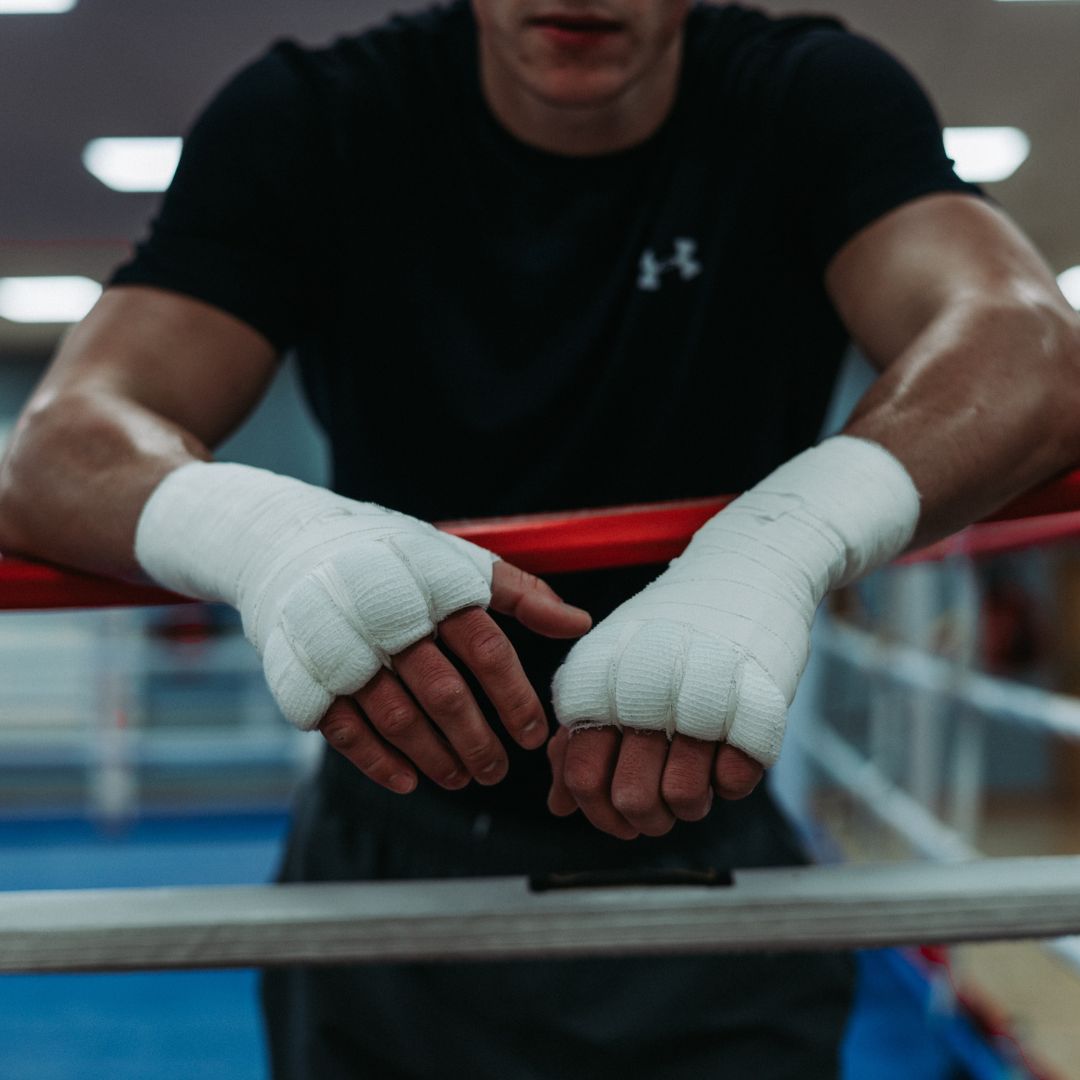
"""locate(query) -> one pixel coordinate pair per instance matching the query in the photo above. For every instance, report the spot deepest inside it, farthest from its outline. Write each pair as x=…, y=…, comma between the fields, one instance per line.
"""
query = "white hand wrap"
x=329, y=589
x=714, y=648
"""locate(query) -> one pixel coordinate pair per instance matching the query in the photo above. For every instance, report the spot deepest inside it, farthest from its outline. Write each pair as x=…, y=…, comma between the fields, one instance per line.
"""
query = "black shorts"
x=739, y=1016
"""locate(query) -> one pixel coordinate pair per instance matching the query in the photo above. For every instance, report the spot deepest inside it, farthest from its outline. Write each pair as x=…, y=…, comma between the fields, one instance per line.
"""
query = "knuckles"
x=584, y=779
x=736, y=779
x=686, y=807
x=342, y=736
x=493, y=654
x=733, y=792
x=682, y=795
x=478, y=756
x=373, y=766
x=522, y=707
x=634, y=802
x=394, y=721
x=446, y=696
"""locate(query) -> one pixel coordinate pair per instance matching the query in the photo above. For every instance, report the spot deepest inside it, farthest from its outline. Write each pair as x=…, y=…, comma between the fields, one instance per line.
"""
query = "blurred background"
x=141, y=747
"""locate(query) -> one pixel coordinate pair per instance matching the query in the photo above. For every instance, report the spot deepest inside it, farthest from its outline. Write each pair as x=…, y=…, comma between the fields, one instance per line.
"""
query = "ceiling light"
x=1069, y=282
x=984, y=155
x=47, y=299
x=36, y=7
x=133, y=164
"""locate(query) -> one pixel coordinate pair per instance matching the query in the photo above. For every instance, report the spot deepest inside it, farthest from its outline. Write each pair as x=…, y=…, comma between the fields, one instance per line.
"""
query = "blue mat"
x=144, y=1026
x=180, y=1025
x=904, y=1027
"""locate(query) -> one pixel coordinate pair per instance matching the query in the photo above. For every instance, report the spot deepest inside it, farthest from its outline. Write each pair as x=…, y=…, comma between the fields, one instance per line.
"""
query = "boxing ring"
x=952, y=894
x=955, y=897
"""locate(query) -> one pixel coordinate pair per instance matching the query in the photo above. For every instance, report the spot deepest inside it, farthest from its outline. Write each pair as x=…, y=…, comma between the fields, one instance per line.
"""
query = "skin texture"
x=422, y=716
x=980, y=387
x=137, y=390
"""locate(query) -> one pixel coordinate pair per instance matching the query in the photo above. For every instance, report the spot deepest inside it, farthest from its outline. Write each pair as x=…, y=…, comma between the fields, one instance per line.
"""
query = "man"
x=538, y=254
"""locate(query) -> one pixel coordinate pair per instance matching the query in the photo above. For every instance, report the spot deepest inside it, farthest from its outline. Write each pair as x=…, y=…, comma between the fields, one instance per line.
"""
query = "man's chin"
x=580, y=90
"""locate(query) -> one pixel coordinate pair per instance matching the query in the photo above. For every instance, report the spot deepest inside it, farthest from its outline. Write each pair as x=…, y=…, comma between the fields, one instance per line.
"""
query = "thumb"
x=535, y=604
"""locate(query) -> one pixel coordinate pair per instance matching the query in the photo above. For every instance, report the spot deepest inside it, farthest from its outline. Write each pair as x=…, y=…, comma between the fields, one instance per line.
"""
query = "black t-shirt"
x=485, y=328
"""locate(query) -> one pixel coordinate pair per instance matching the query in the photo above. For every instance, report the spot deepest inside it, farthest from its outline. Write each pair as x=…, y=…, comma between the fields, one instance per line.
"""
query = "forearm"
x=79, y=469
x=982, y=406
x=144, y=384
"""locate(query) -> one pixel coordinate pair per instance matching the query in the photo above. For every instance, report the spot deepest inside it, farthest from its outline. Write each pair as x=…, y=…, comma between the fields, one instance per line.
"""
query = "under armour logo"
x=651, y=269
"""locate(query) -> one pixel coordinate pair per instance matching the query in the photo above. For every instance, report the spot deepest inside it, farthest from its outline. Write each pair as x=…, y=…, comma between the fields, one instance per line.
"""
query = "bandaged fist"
x=341, y=599
x=714, y=648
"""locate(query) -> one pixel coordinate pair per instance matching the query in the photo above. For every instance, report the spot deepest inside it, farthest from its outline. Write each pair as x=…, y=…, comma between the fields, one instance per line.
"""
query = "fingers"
x=588, y=770
x=397, y=718
x=560, y=802
x=348, y=733
x=535, y=604
x=635, y=782
x=426, y=710
x=473, y=636
x=636, y=785
x=443, y=696
x=433, y=719
x=735, y=774
x=686, y=786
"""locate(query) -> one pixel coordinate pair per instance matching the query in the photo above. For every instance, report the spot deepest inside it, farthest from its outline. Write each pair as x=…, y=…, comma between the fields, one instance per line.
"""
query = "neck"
x=582, y=126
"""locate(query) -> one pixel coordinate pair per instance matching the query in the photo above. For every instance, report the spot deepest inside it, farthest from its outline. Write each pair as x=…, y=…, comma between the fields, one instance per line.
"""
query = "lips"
x=577, y=23
x=567, y=23
x=576, y=32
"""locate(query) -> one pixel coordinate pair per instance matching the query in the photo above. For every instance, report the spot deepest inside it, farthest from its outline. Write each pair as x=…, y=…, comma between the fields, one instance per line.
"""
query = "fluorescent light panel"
x=47, y=299
x=36, y=7
x=985, y=155
x=1069, y=282
x=133, y=164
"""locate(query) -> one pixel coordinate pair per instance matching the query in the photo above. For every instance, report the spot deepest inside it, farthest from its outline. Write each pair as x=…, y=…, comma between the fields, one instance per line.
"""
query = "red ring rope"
x=580, y=540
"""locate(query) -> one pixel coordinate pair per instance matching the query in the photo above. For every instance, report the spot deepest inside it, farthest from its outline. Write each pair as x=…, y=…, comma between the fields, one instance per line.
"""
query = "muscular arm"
x=978, y=400
x=147, y=382
x=979, y=351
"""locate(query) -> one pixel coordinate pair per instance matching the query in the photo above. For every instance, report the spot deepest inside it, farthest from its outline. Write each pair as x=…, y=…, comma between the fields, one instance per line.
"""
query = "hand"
x=342, y=600
x=708, y=656
x=637, y=782
x=422, y=717
x=714, y=648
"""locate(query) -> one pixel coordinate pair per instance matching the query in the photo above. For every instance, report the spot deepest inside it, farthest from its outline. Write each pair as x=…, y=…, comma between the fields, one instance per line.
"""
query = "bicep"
x=866, y=136
x=892, y=279
x=178, y=357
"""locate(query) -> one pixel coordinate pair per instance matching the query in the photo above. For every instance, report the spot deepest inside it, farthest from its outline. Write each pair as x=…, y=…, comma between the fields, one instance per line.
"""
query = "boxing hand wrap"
x=328, y=589
x=714, y=648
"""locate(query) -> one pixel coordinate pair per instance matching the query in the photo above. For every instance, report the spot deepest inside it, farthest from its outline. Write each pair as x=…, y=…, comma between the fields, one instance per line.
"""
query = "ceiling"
x=144, y=67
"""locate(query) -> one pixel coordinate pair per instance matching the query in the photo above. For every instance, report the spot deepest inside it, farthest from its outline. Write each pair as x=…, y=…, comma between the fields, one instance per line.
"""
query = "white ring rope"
x=812, y=908
x=879, y=796
x=998, y=699
x=907, y=817
x=1001, y=700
